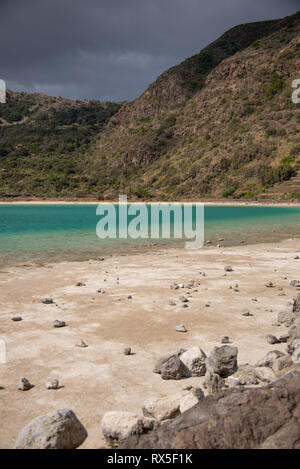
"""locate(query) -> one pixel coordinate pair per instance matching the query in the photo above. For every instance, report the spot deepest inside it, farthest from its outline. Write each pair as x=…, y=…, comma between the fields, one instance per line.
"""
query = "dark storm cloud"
x=112, y=49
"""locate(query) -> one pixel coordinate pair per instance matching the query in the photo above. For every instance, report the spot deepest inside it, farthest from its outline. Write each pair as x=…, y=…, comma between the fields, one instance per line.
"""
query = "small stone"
x=17, y=318
x=80, y=284
x=184, y=305
x=58, y=323
x=271, y=339
x=53, y=384
x=246, y=313
x=129, y=297
x=127, y=351
x=183, y=299
x=225, y=340
x=172, y=303
x=269, y=285
x=296, y=355
x=47, y=301
x=254, y=299
x=213, y=383
x=101, y=291
x=24, y=384
x=180, y=328
x=295, y=283
x=268, y=360
x=81, y=344
x=228, y=268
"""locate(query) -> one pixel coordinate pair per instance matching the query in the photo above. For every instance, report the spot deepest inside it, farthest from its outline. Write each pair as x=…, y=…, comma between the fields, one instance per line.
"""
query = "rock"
x=165, y=358
x=265, y=374
x=281, y=363
x=284, y=337
x=238, y=418
x=183, y=299
x=129, y=297
x=24, y=385
x=117, y=426
x=225, y=340
x=47, y=301
x=190, y=399
x=194, y=360
x=269, y=285
x=285, y=317
x=53, y=384
x=174, y=369
x=127, y=351
x=296, y=355
x=17, y=318
x=246, y=375
x=181, y=328
x=295, y=283
x=58, y=323
x=293, y=346
x=174, y=286
x=271, y=339
x=81, y=343
x=233, y=382
x=246, y=313
x=254, y=299
x=172, y=303
x=60, y=429
x=228, y=268
x=162, y=408
x=184, y=305
x=268, y=360
x=80, y=284
x=213, y=383
x=222, y=361
x=101, y=291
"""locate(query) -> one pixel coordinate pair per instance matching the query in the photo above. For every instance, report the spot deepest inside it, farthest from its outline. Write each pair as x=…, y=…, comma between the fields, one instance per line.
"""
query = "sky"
x=111, y=50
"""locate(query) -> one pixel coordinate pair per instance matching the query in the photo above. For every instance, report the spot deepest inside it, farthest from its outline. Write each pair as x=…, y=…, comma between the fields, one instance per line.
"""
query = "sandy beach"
x=100, y=377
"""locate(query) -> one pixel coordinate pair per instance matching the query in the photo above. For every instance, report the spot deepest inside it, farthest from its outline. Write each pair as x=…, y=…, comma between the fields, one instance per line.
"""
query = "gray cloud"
x=112, y=49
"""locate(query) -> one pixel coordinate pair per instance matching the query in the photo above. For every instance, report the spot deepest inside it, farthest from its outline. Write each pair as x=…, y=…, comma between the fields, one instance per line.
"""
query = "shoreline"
x=186, y=202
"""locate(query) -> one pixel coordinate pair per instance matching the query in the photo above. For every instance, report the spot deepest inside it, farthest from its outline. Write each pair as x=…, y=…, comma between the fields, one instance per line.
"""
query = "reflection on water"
x=50, y=233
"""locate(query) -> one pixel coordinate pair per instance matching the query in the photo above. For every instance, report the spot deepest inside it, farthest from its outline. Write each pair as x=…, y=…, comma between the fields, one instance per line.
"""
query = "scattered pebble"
x=53, y=384
x=228, y=268
x=225, y=340
x=180, y=328
x=81, y=343
x=47, y=301
x=172, y=303
x=183, y=299
x=127, y=351
x=58, y=323
x=17, y=318
x=271, y=339
x=246, y=313
x=24, y=384
x=80, y=284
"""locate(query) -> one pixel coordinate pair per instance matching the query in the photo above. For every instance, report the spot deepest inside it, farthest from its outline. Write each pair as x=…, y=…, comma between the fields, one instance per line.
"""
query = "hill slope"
x=221, y=123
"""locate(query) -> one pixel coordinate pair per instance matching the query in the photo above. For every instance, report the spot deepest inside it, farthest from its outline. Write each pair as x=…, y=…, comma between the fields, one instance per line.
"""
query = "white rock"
x=120, y=425
x=162, y=408
x=194, y=360
x=190, y=399
x=296, y=355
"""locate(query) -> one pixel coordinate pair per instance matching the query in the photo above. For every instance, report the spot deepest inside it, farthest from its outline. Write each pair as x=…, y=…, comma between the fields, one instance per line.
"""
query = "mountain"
x=220, y=124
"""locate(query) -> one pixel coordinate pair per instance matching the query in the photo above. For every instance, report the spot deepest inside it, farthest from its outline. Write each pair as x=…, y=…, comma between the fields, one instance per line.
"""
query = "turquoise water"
x=43, y=233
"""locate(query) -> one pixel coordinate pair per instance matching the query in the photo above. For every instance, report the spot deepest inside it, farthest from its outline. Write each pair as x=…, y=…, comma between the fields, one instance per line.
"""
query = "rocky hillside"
x=220, y=124
x=44, y=142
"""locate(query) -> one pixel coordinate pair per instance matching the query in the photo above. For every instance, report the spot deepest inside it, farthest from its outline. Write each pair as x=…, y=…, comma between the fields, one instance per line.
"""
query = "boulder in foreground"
x=238, y=418
x=60, y=429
